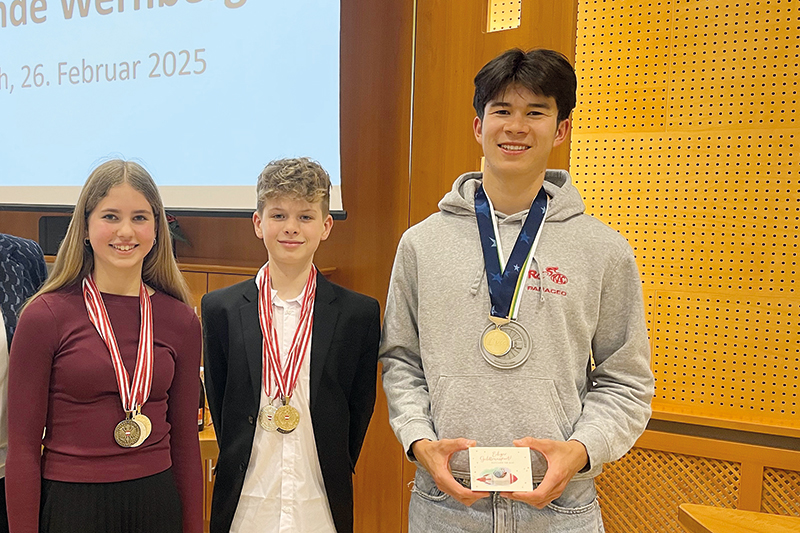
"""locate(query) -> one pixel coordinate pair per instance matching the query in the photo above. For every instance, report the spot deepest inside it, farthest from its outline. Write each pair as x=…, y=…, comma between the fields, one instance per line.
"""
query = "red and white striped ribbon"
x=132, y=395
x=284, y=375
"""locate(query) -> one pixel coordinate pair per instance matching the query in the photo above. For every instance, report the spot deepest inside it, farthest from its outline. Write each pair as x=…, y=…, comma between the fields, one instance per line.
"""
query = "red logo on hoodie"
x=552, y=273
x=555, y=276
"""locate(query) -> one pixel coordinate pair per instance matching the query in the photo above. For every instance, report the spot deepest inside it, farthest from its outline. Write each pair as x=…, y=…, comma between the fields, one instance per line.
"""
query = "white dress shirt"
x=283, y=488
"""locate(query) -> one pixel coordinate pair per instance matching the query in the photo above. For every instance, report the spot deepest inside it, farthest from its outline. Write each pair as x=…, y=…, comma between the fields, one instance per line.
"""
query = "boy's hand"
x=564, y=460
x=435, y=457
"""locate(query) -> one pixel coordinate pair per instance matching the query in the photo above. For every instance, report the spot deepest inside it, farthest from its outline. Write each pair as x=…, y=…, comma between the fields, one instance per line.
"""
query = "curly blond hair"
x=298, y=178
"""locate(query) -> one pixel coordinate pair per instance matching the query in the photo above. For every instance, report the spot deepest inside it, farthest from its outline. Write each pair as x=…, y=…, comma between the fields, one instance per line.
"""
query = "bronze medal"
x=129, y=433
x=286, y=418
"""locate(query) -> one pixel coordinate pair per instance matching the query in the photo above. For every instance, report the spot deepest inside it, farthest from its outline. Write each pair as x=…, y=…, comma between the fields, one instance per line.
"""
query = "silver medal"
x=266, y=418
x=516, y=355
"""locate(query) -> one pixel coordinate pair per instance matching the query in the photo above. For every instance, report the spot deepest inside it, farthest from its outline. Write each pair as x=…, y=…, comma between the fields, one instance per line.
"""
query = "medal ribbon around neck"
x=506, y=282
x=285, y=376
x=132, y=395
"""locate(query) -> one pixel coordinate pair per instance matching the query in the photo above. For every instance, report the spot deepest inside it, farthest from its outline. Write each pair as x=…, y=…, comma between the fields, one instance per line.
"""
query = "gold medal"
x=508, y=353
x=144, y=421
x=496, y=341
x=142, y=435
x=286, y=418
x=129, y=433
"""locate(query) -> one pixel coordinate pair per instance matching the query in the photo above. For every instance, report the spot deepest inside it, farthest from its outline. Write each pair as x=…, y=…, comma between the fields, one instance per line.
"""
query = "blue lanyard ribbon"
x=507, y=281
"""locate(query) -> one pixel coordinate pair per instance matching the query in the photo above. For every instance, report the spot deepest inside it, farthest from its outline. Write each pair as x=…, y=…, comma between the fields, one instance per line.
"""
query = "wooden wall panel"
x=198, y=285
x=781, y=493
x=642, y=491
x=376, y=111
x=21, y=224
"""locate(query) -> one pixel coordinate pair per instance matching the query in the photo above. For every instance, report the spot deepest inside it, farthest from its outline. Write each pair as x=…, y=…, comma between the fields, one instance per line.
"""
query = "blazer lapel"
x=251, y=330
x=326, y=313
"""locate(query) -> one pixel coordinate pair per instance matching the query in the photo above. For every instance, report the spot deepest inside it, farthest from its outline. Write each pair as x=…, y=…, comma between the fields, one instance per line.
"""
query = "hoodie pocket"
x=495, y=409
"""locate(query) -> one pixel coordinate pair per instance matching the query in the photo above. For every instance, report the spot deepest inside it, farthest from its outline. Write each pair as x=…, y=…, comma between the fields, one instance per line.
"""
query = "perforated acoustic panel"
x=756, y=380
x=503, y=14
x=686, y=141
x=641, y=492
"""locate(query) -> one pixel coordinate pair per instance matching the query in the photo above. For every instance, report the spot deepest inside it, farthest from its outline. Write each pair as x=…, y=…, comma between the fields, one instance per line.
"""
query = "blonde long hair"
x=75, y=260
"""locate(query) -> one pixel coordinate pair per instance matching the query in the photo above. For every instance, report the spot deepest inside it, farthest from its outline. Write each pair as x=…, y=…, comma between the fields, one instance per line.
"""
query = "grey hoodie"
x=588, y=377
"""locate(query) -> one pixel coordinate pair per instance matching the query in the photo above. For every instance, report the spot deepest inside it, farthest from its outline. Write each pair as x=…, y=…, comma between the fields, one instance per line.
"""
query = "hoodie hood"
x=565, y=200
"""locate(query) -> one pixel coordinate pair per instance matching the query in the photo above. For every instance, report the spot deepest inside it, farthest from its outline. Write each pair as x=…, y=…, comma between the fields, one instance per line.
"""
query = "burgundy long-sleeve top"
x=61, y=378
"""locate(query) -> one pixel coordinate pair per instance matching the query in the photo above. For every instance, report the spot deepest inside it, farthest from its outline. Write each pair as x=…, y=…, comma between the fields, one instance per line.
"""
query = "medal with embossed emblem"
x=136, y=427
x=285, y=418
x=266, y=417
x=519, y=346
x=129, y=433
x=505, y=344
x=494, y=340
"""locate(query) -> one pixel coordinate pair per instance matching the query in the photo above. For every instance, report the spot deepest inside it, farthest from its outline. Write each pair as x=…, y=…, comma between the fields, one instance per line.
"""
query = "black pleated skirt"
x=146, y=505
x=3, y=512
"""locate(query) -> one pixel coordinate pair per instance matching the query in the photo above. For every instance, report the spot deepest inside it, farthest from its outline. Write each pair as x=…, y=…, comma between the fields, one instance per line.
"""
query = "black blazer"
x=344, y=356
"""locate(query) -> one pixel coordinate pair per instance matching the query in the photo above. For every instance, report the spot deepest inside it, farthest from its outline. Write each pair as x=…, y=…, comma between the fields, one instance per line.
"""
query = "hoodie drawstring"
x=476, y=284
x=539, y=278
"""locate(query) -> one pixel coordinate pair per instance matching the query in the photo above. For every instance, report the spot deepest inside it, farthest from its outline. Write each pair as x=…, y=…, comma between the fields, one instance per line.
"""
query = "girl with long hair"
x=105, y=362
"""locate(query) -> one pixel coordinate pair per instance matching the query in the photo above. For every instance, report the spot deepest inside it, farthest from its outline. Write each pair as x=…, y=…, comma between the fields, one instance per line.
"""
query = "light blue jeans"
x=430, y=510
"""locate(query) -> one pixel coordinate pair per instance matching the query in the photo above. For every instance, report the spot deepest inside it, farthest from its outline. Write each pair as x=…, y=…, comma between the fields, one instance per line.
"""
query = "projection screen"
x=203, y=93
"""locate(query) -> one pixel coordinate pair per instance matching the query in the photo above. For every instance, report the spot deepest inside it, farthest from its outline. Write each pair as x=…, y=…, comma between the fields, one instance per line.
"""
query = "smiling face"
x=518, y=131
x=121, y=231
x=292, y=230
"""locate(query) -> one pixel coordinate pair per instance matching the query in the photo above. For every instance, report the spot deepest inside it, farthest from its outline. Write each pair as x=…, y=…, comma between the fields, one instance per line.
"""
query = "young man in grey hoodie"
x=514, y=319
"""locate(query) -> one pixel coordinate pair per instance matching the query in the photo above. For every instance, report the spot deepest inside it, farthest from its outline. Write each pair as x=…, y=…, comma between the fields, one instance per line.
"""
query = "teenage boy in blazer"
x=299, y=479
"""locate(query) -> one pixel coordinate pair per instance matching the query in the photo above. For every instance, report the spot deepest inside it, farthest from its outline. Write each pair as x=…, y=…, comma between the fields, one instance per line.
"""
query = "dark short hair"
x=541, y=71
